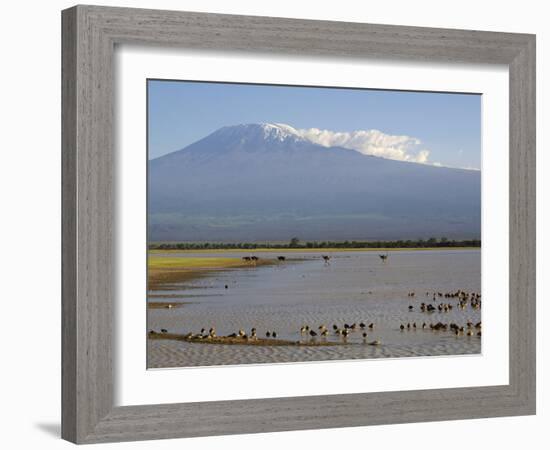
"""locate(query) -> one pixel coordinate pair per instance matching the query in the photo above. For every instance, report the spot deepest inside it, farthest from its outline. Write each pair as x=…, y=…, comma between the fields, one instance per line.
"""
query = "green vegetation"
x=295, y=243
x=192, y=263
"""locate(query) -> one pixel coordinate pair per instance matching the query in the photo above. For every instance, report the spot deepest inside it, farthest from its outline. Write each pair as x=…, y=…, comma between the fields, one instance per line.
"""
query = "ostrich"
x=384, y=258
x=281, y=258
x=326, y=258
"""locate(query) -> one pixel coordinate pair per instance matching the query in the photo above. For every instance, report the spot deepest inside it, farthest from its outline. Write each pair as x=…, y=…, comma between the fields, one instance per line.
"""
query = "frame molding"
x=90, y=34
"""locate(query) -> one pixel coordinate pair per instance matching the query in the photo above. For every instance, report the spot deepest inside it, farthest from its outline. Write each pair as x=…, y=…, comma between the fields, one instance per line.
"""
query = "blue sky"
x=434, y=128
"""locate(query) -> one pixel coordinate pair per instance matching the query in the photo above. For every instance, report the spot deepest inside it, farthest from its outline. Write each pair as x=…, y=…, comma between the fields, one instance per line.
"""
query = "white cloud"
x=371, y=142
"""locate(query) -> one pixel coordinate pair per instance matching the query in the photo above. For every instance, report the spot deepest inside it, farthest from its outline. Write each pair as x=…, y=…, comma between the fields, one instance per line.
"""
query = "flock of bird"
x=464, y=299
x=470, y=329
x=473, y=299
x=342, y=332
x=211, y=334
x=306, y=330
x=322, y=332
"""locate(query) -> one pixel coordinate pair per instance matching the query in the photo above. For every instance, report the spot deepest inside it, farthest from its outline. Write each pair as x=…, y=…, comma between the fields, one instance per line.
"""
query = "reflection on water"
x=355, y=287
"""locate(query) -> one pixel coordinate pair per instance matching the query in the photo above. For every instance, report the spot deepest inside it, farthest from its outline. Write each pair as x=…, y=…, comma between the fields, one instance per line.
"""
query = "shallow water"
x=355, y=287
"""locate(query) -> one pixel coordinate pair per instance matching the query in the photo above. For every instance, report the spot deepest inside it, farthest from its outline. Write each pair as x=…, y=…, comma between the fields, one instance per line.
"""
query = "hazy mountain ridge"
x=266, y=182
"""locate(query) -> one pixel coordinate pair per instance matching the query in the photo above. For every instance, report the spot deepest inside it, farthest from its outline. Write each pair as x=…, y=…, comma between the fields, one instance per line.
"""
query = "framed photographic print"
x=284, y=244
x=305, y=210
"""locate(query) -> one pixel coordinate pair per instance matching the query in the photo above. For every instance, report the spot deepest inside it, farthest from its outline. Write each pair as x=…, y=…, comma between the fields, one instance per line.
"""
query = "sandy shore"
x=166, y=305
x=231, y=340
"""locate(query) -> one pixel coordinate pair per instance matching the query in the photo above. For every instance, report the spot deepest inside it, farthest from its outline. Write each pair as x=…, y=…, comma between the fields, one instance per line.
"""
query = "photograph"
x=292, y=224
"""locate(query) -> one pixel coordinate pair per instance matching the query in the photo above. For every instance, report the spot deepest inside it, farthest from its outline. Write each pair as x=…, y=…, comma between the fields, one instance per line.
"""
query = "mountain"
x=264, y=182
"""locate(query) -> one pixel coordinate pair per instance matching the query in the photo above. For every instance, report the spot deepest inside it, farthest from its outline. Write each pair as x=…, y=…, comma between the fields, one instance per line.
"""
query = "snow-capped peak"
x=275, y=131
x=279, y=130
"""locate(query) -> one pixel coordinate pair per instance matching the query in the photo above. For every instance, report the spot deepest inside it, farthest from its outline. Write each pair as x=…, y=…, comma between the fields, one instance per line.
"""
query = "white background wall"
x=30, y=222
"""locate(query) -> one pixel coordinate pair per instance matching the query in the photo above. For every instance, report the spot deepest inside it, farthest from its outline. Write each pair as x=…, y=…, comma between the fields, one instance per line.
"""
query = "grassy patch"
x=166, y=272
x=159, y=263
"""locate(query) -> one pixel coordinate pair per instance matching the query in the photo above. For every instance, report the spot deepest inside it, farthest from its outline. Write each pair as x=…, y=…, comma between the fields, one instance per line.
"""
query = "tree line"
x=295, y=243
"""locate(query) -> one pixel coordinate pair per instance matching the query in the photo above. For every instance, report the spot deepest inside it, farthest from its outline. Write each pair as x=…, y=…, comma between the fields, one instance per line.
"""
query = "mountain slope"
x=265, y=182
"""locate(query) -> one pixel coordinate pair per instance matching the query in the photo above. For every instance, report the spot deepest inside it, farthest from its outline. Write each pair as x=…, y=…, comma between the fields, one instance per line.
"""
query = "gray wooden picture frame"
x=90, y=34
